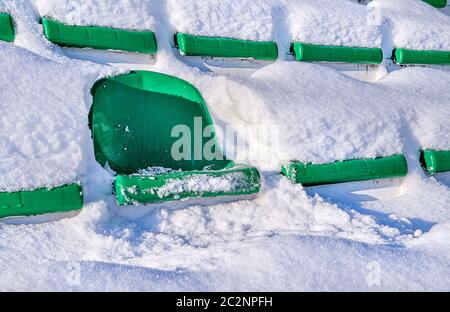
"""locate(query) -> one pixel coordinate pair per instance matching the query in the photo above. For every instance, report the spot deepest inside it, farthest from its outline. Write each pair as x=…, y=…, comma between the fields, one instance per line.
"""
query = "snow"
x=389, y=235
x=332, y=22
x=414, y=24
x=43, y=130
x=244, y=19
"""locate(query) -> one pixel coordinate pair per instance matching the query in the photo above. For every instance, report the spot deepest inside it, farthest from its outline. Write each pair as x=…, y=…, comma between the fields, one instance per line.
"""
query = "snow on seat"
x=321, y=53
x=225, y=47
x=6, y=28
x=419, y=33
x=346, y=171
x=435, y=161
x=424, y=57
x=42, y=201
x=44, y=129
x=96, y=37
x=334, y=31
x=140, y=142
x=238, y=29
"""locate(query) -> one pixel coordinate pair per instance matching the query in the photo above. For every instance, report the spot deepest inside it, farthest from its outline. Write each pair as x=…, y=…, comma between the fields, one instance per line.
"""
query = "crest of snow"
x=414, y=24
x=129, y=14
x=244, y=19
x=43, y=121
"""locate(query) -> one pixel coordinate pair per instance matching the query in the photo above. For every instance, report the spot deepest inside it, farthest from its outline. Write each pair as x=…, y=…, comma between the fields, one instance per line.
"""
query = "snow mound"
x=414, y=24
x=43, y=121
x=332, y=22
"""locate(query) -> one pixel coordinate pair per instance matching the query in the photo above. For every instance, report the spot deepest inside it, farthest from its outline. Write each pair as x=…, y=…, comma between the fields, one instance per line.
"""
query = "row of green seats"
x=134, y=138
x=41, y=201
x=145, y=42
x=432, y=161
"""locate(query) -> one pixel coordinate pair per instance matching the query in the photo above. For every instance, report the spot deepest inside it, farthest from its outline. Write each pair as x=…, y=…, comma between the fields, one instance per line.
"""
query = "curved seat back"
x=137, y=118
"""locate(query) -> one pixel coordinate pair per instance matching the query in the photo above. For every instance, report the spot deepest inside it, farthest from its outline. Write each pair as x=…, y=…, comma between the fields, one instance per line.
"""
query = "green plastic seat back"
x=133, y=117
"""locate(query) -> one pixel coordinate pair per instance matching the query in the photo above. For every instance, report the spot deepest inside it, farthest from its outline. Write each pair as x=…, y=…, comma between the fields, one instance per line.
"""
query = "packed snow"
x=332, y=22
x=389, y=235
x=414, y=24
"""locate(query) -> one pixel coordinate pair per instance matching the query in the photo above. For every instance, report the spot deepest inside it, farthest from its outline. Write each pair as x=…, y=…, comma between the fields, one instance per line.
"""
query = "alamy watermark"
x=240, y=143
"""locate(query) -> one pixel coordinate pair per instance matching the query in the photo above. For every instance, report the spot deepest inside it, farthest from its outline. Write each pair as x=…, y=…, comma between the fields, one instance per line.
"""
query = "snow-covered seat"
x=136, y=120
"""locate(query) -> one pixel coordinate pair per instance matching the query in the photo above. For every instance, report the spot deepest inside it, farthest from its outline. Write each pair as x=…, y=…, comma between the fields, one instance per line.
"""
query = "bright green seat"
x=346, y=171
x=193, y=45
x=304, y=52
x=6, y=28
x=96, y=37
x=136, y=121
x=434, y=161
x=42, y=201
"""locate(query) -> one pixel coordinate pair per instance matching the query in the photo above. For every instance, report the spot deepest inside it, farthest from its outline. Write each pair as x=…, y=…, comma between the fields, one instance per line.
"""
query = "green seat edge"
x=7, y=30
x=397, y=167
x=128, y=188
x=41, y=201
x=437, y=3
x=48, y=23
x=402, y=56
x=369, y=56
x=193, y=45
x=161, y=83
x=435, y=161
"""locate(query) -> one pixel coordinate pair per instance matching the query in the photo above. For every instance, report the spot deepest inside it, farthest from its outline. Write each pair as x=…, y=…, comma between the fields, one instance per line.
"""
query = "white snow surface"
x=287, y=237
x=414, y=24
x=43, y=121
x=331, y=22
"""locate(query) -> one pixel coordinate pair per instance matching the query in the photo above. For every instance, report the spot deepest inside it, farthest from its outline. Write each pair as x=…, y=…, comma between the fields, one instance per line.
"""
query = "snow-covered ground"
x=390, y=235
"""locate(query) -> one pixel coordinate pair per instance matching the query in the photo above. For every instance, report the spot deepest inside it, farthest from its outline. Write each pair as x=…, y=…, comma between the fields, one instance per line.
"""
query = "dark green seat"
x=192, y=45
x=341, y=54
x=103, y=38
x=134, y=122
x=6, y=28
x=42, y=201
x=437, y=3
x=346, y=171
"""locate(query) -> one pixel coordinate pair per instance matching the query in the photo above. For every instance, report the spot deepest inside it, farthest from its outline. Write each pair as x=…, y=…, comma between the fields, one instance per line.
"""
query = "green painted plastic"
x=346, y=171
x=132, y=121
x=432, y=57
x=321, y=53
x=225, y=47
x=437, y=3
x=42, y=201
x=435, y=161
x=6, y=28
x=145, y=189
x=102, y=38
